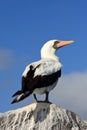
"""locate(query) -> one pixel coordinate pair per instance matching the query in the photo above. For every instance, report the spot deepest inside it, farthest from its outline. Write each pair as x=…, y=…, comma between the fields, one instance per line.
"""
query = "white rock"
x=41, y=116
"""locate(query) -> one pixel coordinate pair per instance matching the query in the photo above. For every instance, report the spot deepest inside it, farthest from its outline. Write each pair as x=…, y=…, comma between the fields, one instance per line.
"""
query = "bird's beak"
x=64, y=43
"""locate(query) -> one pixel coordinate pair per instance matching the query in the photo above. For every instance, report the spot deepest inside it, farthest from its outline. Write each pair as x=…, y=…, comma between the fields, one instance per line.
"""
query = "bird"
x=40, y=77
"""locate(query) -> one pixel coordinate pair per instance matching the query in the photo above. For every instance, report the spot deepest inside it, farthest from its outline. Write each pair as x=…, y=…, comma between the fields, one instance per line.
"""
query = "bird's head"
x=49, y=48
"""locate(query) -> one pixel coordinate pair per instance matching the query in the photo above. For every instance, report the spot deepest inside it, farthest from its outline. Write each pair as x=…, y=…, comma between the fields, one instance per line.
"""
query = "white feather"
x=46, y=67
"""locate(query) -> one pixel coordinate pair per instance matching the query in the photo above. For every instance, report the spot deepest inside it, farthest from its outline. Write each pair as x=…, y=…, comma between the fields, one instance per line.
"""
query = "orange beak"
x=64, y=43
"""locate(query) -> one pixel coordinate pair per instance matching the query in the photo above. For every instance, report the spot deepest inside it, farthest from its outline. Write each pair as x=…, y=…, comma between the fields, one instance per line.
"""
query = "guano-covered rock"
x=41, y=116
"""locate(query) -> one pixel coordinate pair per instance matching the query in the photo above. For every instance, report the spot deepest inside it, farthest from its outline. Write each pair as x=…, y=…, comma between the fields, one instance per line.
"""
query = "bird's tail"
x=20, y=96
x=17, y=93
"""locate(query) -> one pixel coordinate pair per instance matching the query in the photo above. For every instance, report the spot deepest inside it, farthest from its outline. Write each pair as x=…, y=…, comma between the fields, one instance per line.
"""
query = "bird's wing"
x=27, y=78
x=40, y=74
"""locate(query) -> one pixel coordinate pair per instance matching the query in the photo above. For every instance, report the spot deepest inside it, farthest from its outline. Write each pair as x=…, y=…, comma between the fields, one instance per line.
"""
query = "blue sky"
x=24, y=27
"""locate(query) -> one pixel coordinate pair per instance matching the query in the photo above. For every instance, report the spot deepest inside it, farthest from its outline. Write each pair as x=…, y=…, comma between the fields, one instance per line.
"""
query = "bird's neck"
x=50, y=56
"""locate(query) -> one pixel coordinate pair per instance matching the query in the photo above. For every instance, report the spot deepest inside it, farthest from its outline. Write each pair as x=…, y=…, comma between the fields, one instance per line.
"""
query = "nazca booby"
x=41, y=77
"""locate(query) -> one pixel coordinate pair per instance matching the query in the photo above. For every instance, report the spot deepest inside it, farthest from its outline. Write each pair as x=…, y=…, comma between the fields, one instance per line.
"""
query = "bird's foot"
x=47, y=101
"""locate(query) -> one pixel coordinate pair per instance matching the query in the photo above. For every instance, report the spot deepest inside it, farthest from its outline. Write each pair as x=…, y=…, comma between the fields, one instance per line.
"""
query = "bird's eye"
x=56, y=42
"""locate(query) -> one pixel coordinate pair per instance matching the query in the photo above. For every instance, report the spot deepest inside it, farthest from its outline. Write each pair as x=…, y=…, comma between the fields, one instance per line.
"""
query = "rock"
x=41, y=116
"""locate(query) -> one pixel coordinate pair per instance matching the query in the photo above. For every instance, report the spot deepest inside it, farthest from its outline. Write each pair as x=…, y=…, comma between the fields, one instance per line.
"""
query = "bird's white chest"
x=44, y=89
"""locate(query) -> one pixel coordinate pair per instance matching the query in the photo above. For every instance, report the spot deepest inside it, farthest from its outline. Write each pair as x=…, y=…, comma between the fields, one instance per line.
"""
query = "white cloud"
x=71, y=93
x=6, y=59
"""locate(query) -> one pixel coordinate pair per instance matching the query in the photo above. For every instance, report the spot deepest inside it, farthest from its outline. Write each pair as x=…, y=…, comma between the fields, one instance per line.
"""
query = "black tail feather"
x=21, y=97
x=17, y=93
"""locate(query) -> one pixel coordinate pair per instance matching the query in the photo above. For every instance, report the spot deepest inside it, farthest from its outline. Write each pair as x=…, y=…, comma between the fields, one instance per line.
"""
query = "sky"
x=24, y=27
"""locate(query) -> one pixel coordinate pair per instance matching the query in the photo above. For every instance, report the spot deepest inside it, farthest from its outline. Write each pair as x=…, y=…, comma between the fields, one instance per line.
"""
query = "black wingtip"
x=17, y=93
x=18, y=98
x=14, y=101
x=21, y=97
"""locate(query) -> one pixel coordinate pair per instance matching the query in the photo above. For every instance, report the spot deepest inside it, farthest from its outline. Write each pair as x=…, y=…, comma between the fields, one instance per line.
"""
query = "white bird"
x=41, y=77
